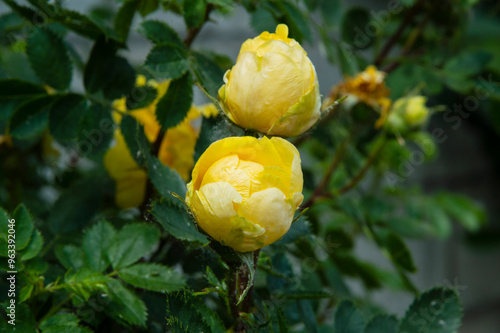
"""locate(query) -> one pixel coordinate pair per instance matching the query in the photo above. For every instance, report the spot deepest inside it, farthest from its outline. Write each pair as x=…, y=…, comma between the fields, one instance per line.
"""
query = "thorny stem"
x=237, y=282
x=247, y=302
x=232, y=289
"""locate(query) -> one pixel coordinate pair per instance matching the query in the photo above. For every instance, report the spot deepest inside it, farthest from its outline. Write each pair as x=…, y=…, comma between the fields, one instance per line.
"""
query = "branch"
x=192, y=33
x=361, y=173
x=394, y=38
x=320, y=189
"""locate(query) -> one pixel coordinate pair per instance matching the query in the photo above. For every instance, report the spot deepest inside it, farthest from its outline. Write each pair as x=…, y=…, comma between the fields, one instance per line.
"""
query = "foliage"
x=84, y=265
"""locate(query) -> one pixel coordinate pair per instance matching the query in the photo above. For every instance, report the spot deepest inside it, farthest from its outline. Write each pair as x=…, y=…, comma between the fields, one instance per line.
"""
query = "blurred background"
x=468, y=161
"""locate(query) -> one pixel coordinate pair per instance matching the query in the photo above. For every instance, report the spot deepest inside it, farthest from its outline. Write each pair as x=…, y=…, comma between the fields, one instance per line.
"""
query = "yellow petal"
x=271, y=210
x=262, y=89
x=299, y=117
x=262, y=151
x=130, y=179
x=213, y=205
x=177, y=148
x=239, y=173
x=147, y=118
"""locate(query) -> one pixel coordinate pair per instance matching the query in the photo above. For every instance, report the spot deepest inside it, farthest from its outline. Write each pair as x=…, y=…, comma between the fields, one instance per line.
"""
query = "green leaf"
x=467, y=64
x=77, y=204
x=206, y=136
x=141, y=97
x=70, y=256
x=159, y=32
x=152, y=277
x=49, y=58
x=382, y=324
x=297, y=230
x=65, y=117
x=173, y=107
x=84, y=282
x=148, y=6
x=131, y=243
x=465, y=211
x=186, y=313
x=126, y=305
x=62, y=323
x=299, y=26
x=95, y=132
x=194, y=12
x=27, y=324
x=63, y=319
x=13, y=93
x=25, y=292
x=308, y=316
x=263, y=20
x=31, y=118
x=34, y=246
x=137, y=143
x=435, y=311
x=346, y=58
x=107, y=72
x=408, y=3
x=165, y=179
x=96, y=243
x=14, y=88
x=247, y=259
x=331, y=11
x=223, y=4
x=124, y=18
x=177, y=222
x=306, y=294
x=354, y=23
x=208, y=73
x=167, y=60
x=23, y=226
x=397, y=250
x=281, y=320
x=348, y=318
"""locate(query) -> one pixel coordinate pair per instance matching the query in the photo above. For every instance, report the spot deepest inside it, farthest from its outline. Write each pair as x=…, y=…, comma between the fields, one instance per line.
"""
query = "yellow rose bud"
x=244, y=191
x=416, y=111
x=273, y=87
x=407, y=113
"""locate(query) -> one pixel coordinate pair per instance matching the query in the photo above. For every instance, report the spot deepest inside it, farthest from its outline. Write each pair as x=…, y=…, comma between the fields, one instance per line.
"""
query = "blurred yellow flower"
x=408, y=112
x=244, y=191
x=369, y=87
x=273, y=87
x=176, y=149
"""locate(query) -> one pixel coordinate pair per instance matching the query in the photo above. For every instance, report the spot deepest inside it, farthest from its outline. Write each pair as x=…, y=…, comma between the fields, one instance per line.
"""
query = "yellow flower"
x=244, y=191
x=416, y=112
x=369, y=87
x=408, y=112
x=176, y=149
x=273, y=87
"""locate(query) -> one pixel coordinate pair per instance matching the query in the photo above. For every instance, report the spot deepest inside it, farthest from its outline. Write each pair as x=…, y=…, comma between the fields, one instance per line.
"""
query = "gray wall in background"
x=462, y=166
